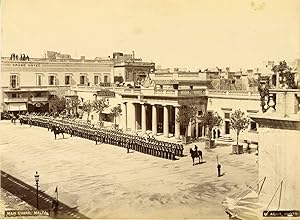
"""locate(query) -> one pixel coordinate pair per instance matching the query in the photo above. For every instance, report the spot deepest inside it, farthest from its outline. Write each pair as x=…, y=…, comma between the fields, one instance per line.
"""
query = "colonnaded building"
x=149, y=97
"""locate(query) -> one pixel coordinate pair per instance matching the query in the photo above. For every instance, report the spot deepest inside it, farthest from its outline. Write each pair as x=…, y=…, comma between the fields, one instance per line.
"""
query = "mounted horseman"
x=57, y=130
x=196, y=153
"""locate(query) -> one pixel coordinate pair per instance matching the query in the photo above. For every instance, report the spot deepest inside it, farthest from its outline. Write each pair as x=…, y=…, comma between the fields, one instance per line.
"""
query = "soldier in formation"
x=148, y=145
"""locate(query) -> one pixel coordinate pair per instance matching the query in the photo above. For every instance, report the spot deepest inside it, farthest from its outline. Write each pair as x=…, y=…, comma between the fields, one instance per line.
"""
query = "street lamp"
x=37, y=178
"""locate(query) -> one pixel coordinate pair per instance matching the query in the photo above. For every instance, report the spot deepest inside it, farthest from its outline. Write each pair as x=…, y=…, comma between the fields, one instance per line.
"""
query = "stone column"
x=197, y=129
x=124, y=116
x=177, y=124
x=154, y=120
x=143, y=112
x=190, y=129
x=166, y=121
x=201, y=129
x=133, y=117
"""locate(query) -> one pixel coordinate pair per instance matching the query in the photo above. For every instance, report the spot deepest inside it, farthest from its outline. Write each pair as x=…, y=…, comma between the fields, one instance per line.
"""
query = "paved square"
x=106, y=182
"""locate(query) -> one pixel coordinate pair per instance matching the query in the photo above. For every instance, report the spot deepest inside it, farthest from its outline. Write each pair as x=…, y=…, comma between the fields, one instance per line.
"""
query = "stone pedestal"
x=286, y=102
x=279, y=154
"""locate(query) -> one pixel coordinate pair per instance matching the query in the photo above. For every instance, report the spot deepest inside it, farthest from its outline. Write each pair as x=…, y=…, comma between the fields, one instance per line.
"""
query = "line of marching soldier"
x=85, y=130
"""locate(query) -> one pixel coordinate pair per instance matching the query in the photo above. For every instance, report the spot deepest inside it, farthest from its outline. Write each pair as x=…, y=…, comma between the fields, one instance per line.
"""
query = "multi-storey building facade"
x=27, y=85
x=149, y=98
x=152, y=108
x=133, y=71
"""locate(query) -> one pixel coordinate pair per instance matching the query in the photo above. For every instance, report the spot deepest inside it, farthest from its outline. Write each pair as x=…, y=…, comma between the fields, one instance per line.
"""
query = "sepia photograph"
x=150, y=109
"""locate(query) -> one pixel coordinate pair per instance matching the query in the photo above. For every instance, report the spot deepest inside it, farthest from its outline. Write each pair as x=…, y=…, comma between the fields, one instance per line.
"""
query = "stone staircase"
x=225, y=139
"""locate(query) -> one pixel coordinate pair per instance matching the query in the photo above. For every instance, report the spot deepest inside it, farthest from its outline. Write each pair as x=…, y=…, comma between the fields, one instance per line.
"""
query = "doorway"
x=227, y=127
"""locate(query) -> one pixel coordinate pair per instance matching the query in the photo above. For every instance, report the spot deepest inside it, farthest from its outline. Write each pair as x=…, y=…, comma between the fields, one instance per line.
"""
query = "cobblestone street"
x=106, y=182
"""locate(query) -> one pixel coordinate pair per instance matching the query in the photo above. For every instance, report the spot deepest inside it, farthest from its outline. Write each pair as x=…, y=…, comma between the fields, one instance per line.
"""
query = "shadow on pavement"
x=200, y=163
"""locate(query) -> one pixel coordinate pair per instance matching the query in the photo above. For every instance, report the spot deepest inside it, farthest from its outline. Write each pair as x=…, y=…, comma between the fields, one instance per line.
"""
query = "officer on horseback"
x=196, y=150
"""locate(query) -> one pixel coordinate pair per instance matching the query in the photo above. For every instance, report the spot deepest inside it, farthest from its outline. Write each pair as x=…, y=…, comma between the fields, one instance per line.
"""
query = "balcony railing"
x=192, y=92
x=15, y=99
x=39, y=99
x=233, y=92
x=107, y=84
x=132, y=91
x=28, y=88
x=162, y=92
x=93, y=87
x=170, y=92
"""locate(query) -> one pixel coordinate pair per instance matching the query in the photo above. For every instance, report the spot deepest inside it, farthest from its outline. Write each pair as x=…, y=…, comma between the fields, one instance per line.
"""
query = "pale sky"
x=171, y=33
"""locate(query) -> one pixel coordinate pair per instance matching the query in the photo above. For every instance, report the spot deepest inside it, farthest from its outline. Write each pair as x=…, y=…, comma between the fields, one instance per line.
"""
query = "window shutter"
x=67, y=80
x=56, y=80
x=10, y=80
x=38, y=79
x=87, y=80
x=17, y=81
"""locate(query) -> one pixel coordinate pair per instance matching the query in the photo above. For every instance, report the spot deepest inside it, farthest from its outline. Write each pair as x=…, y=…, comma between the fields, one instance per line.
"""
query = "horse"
x=21, y=119
x=13, y=119
x=196, y=153
x=56, y=130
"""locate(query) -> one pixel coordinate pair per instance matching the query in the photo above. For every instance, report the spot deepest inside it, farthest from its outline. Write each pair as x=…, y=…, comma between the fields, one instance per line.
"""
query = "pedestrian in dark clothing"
x=127, y=146
x=219, y=169
x=55, y=207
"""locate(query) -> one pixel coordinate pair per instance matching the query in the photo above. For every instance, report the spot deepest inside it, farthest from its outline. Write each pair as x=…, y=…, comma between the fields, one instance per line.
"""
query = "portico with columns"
x=153, y=110
x=156, y=117
x=151, y=118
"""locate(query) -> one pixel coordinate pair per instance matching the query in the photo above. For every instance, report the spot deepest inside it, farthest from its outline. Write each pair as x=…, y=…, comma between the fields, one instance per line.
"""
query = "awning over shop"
x=17, y=107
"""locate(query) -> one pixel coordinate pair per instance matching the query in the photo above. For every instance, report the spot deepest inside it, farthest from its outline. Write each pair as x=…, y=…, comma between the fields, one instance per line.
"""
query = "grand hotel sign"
x=26, y=64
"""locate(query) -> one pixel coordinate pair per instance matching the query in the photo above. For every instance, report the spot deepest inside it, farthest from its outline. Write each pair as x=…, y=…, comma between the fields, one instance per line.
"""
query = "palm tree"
x=115, y=112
